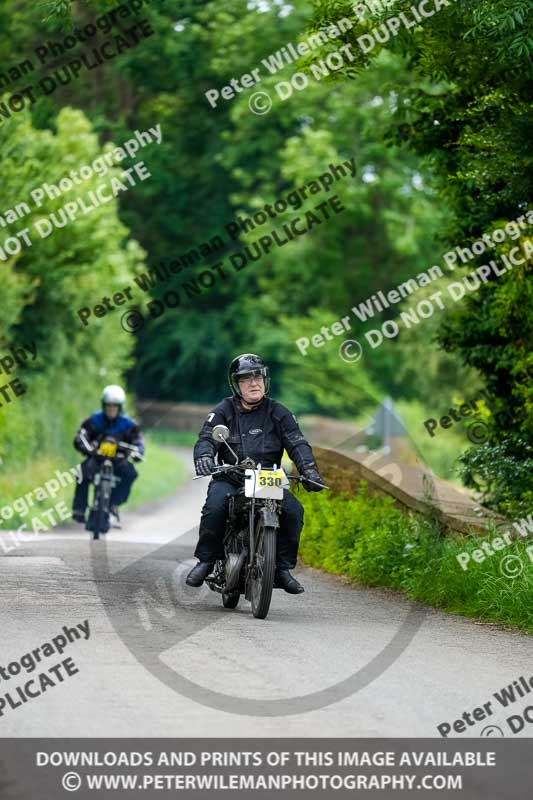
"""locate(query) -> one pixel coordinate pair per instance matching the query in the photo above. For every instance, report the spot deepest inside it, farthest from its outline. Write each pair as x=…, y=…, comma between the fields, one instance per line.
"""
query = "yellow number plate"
x=108, y=449
x=265, y=483
x=270, y=477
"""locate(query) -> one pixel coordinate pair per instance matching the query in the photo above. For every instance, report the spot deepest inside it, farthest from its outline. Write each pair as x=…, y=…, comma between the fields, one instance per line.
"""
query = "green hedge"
x=369, y=540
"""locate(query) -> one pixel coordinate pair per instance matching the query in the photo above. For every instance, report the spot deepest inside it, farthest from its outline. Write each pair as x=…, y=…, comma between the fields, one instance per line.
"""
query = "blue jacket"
x=97, y=426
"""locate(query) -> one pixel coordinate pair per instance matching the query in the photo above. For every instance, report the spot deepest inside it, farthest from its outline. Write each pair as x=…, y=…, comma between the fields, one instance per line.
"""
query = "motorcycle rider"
x=110, y=421
x=260, y=428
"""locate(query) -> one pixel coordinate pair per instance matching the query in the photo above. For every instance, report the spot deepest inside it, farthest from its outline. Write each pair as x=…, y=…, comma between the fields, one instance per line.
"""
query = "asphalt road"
x=163, y=659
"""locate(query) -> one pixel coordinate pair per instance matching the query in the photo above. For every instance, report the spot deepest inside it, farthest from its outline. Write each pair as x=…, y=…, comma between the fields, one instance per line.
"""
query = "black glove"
x=136, y=457
x=313, y=474
x=204, y=465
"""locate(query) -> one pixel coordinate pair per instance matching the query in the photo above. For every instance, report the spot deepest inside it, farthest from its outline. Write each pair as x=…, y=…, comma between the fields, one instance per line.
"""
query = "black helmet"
x=247, y=365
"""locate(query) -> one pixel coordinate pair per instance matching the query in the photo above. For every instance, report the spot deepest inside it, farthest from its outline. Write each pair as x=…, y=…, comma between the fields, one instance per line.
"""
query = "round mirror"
x=220, y=433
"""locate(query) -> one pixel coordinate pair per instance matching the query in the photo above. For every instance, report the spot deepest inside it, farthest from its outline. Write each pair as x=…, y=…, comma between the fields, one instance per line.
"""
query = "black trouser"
x=119, y=494
x=213, y=524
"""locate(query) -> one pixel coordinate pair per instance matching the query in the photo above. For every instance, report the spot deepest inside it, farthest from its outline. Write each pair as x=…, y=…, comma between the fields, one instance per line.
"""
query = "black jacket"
x=261, y=434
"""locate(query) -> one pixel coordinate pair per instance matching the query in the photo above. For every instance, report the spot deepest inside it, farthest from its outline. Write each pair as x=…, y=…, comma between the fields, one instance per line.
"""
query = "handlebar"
x=221, y=468
x=227, y=467
x=131, y=448
x=134, y=449
x=300, y=479
x=134, y=452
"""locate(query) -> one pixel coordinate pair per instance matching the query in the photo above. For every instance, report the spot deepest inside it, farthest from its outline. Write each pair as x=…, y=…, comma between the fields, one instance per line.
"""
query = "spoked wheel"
x=263, y=570
x=231, y=600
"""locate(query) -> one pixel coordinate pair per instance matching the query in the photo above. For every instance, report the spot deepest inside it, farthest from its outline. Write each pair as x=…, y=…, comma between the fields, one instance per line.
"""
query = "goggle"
x=246, y=377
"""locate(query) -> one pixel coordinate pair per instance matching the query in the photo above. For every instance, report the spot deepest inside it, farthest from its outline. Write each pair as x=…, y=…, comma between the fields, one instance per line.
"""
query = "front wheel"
x=263, y=570
x=231, y=600
x=99, y=520
x=101, y=507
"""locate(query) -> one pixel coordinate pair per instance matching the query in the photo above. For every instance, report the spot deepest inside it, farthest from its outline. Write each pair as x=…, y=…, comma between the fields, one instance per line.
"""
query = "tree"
x=46, y=283
x=470, y=114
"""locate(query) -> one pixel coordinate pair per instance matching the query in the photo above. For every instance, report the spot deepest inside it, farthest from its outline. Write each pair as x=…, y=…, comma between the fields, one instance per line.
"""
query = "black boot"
x=78, y=515
x=284, y=580
x=198, y=573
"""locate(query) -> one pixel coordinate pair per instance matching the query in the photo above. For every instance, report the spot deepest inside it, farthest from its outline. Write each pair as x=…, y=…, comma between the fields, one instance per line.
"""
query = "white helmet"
x=113, y=395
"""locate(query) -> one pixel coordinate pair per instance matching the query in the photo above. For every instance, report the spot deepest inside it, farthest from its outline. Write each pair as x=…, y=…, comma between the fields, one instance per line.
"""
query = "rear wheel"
x=263, y=570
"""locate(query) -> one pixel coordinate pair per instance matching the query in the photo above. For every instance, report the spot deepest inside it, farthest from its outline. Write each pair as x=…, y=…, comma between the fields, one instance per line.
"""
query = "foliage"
x=307, y=381
x=467, y=109
x=502, y=473
x=386, y=235
x=172, y=438
x=421, y=366
x=369, y=540
x=47, y=282
x=160, y=474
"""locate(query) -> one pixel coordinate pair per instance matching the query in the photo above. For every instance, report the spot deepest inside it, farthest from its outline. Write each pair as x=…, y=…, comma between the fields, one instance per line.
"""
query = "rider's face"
x=110, y=410
x=252, y=389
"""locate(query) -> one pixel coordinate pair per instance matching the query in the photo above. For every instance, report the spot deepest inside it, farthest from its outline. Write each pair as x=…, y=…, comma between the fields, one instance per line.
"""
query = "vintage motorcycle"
x=107, y=452
x=251, y=531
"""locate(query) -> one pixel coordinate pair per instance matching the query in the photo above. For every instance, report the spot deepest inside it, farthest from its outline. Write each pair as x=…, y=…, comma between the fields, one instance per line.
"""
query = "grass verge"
x=160, y=475
x=174, y=438
x=369, y=540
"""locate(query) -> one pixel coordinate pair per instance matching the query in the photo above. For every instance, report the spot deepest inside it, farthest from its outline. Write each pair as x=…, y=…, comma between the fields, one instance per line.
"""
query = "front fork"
x=251, y=529
x=270, y=511
x=106, y=474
